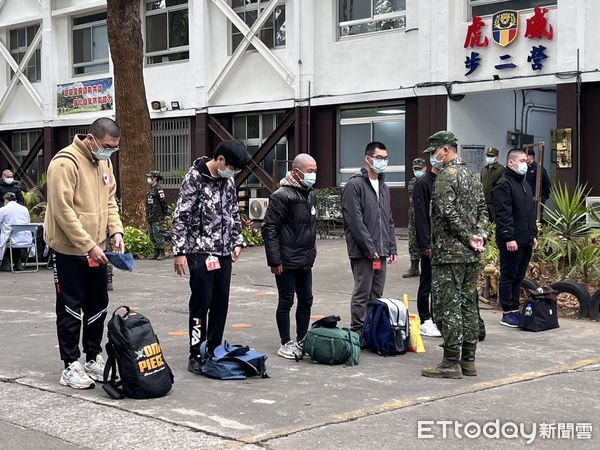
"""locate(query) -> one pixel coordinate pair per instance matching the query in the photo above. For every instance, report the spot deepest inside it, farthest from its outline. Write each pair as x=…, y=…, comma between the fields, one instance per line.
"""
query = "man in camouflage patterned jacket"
x=207, y=238
x=419, y=169
x=458, y=220
x=156, y=210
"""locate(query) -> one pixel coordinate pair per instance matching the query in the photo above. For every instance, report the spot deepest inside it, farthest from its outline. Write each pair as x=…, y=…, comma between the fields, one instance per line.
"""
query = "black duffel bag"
x=540, y=311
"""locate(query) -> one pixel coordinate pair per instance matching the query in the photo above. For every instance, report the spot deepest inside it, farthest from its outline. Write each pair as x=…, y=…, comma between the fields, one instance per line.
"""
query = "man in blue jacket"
x=369, y=229
x=290, y=233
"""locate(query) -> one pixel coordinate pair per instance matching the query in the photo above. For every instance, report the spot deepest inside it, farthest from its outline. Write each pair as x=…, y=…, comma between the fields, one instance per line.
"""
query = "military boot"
x=448, y=368
x=467, y=360
x=414, y=269
x=153, y=255
x=161, y=255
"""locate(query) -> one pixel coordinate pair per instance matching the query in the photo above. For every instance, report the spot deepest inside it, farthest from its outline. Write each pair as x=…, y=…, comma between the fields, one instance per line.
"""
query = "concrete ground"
x=548, y=380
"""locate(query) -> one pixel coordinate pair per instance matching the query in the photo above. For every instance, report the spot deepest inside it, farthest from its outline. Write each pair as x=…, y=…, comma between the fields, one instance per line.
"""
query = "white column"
x=48, y=85
x=304, y=39
x=199, y=27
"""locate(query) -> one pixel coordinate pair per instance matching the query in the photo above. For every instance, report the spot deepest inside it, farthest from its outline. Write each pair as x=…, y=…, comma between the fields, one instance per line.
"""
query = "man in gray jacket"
x=369, y=229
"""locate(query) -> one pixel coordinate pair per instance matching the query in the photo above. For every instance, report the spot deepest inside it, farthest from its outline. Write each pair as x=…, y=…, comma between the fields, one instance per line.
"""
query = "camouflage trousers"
x=413, y=248
x=157, y=236
x=454, y=294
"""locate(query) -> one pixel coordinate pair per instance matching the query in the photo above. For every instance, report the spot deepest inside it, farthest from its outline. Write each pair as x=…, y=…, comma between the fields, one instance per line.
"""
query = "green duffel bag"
x=332, y=345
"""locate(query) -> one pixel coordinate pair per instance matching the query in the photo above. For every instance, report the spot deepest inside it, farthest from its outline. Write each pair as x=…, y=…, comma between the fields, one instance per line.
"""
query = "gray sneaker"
x=74, y=376
x=289, y=351
x=95, y=369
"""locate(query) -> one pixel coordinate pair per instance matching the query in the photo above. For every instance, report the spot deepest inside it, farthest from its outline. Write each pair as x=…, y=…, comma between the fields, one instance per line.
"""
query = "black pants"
x=424, y=292
x=298, y=281
x=80, y=297
x=210, y=297
x=513, y=266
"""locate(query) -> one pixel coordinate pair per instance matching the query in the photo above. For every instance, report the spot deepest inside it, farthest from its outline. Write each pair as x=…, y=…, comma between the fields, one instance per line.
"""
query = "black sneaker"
x=195, y=365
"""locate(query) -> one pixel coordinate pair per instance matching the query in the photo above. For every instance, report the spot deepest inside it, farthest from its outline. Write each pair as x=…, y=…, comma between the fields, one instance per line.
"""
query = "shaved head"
x=302, y=161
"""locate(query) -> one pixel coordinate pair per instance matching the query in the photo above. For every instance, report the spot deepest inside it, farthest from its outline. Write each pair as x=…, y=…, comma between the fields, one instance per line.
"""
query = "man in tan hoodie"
x=81, y=216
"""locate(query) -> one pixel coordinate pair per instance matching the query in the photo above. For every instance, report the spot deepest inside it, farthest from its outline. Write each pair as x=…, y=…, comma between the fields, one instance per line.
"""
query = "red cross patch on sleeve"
x=161, y=194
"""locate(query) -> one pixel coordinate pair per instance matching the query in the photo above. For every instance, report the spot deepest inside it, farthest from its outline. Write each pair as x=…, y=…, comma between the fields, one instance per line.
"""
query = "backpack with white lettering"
x=134, y=351
x=386, y=330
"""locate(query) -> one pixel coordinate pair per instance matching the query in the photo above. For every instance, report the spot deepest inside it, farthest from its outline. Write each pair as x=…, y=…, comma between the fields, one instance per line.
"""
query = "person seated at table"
x=12, y=214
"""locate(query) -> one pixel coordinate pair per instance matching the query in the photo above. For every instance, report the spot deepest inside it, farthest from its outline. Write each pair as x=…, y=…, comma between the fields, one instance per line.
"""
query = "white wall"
x=373, y=67
x=485, y=118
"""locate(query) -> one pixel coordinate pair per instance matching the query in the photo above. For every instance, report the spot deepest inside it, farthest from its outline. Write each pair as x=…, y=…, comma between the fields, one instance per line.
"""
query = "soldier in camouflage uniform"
x=207, y=239
x=458, y=220
x=419, y=169
x=156, y=210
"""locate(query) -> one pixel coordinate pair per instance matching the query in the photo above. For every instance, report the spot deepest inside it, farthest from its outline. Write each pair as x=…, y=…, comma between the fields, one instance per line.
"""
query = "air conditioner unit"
x=592, y=202
x=258, y=208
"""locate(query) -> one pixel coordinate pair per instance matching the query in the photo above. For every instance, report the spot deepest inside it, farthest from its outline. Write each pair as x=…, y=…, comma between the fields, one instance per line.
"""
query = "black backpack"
x=133, y=349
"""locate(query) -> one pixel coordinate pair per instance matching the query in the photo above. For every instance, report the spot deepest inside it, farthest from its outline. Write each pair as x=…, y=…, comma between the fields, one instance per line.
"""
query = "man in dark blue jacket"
x=290, y=232
x=516, y=233
x=369, y=229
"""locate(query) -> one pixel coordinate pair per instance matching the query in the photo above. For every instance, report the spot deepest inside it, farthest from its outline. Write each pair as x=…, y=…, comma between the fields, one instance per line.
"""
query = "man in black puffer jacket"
x=290, y=232
x=516, y=233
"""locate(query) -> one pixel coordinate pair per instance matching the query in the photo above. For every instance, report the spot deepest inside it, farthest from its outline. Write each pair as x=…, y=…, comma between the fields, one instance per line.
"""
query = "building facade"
x=317, y=76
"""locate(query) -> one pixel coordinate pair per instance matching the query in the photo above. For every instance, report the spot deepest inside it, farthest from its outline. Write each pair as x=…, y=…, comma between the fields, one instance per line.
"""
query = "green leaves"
x=137, y=242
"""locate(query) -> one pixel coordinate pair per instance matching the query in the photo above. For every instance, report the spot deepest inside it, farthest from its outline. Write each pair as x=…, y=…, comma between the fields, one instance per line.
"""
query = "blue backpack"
x=386, y=330
x=233, y=362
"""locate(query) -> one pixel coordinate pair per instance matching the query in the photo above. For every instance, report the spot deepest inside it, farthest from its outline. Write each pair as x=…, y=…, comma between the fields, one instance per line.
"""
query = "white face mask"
x=9, y=180
x=149, y=180
x=418, y=173
x=489, y=160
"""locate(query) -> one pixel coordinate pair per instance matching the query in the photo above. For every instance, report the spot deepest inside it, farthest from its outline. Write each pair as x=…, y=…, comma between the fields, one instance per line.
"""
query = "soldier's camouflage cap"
x=154, y=173
x=438, y=139
x=418, y=163
x=10, y=196
x=491, y=151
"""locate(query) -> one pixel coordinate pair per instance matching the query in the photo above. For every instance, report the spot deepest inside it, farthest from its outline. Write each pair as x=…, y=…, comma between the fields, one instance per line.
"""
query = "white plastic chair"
x=16, y=240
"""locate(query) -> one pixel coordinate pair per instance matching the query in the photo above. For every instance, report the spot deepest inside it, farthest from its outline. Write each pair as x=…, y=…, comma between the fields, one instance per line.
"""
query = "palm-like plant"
x=566, y=222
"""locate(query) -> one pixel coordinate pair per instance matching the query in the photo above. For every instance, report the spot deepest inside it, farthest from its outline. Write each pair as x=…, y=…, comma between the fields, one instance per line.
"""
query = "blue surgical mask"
x=379, y=165
x=103, y=153
x=489, y=160
x=418, y=173
x=521, y=168
x=310, y=178
x=226, y=173
x=435, y=163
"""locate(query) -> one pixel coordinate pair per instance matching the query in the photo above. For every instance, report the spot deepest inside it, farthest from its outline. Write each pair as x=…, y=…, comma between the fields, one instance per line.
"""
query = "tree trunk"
x=136, y=154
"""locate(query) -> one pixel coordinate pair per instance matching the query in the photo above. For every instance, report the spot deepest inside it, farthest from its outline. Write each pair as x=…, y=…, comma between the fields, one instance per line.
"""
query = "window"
x=486, y=7
x=369, y=16
x=19, y=41
x=273, y=31
x=253, y=130
x=167, y=31
x=358, y=127
x=90, y=44
x=22, y=141
x=73, y=131
x=171, y=139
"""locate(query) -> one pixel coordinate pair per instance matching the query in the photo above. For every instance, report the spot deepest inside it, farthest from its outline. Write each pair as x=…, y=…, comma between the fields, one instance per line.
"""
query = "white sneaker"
x=299, y=349
x=74, y=376
x=428, y=328
x=289, y=351
x=95, y=369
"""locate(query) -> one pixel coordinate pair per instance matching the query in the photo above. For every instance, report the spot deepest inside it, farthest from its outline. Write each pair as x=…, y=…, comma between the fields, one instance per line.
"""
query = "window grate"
x=171, y=139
